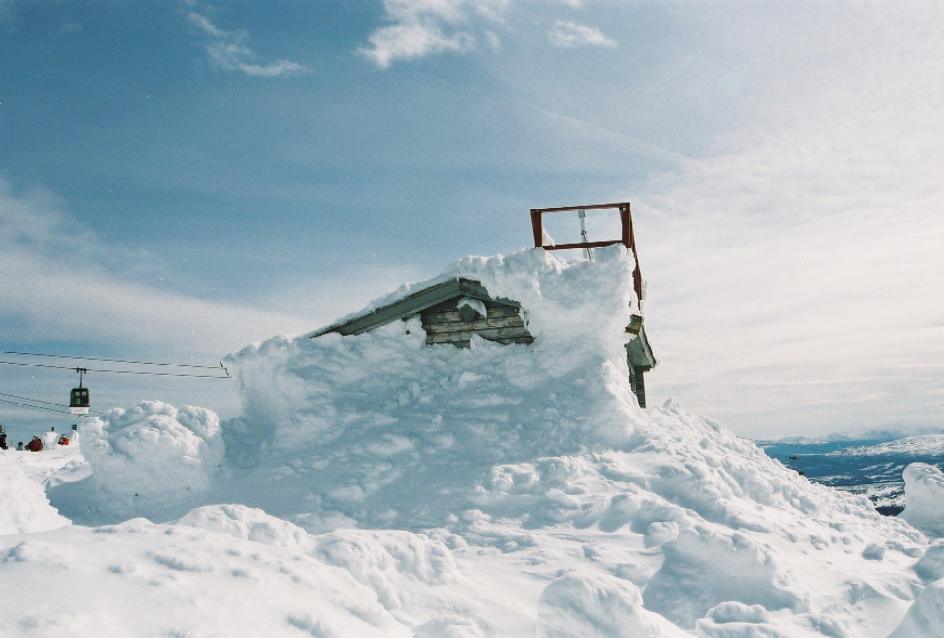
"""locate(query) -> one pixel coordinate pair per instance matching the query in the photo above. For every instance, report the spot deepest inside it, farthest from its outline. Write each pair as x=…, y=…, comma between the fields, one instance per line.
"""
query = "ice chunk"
x=924, y=492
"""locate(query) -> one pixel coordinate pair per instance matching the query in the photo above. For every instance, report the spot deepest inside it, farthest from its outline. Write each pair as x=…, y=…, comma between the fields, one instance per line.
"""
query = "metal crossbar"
x=627, y=237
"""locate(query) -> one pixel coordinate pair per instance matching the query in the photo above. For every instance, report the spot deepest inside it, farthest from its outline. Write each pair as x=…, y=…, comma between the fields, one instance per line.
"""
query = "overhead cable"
x=107, y=360
x=113, y=371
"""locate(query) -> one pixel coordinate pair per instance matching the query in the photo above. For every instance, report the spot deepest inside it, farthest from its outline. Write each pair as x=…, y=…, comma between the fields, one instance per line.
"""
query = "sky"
x=180, y=179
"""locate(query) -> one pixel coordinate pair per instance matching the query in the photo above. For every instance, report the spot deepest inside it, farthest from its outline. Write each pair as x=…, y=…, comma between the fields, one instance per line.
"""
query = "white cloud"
x=62, y=284
x=418, y=28
x=795, y=273
x=228, y=50
x=410, y=41
x=59, y=285
x=567, y=34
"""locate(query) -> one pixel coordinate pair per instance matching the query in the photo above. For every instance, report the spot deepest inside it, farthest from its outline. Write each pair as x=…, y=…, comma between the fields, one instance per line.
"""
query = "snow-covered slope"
x=923, y=445
x=494, y=491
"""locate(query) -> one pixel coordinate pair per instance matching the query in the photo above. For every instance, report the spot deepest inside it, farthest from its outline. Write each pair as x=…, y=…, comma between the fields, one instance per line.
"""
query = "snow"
x=926, y=617
x=924, y=493
x=374, y=485
x=923, y=445
x=144, y=460
x=475, y=304
x=24, y=507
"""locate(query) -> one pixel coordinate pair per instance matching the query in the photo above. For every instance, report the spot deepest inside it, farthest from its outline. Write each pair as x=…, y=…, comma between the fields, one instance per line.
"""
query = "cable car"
x=79, y=397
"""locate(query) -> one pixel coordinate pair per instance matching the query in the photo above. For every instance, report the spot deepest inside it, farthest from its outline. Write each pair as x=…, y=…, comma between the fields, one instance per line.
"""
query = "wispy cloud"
x=410, y=41
x=794, y=272
x=566, y=34
x=228, y=49
x=59, y=284
x=418, y=28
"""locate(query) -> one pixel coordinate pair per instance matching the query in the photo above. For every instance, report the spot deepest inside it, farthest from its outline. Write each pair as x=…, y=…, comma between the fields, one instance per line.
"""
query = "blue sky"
x=179, y=179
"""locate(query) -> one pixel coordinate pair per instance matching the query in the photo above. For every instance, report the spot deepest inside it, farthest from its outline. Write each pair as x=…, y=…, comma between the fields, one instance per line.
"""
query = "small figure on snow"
x=63, y=440
x=35, y=444
x=3, y=440
x=19, y=446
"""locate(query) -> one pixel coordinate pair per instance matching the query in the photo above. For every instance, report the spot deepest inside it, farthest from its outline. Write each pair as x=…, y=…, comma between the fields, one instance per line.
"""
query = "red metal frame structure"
x=628, y=239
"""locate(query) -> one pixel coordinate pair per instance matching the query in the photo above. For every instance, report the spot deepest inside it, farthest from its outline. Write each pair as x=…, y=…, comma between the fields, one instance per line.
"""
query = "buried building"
x=451, y=312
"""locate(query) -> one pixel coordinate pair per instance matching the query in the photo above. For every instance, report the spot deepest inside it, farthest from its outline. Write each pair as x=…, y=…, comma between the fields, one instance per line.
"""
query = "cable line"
x=17, y=396
x=112, y=371
x=104, y=359
x=35, y=407
x=32, y=400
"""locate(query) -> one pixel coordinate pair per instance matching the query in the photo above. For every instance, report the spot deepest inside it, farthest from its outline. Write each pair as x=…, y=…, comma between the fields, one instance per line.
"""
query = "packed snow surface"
x=378, y=486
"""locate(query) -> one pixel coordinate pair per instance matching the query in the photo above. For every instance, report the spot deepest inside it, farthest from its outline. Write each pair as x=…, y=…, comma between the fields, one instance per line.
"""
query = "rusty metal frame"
x=627, y=238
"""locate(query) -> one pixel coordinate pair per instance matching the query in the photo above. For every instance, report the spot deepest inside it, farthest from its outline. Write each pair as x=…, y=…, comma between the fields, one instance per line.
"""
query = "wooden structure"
x=627, y=237
x=452, y=311
x=639, y=355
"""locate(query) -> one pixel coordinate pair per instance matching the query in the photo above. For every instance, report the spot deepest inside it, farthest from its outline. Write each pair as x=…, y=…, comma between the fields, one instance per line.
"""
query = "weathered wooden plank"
x=452, y=315
x=637, y=381
x=465, y=343
x=478, y=324
x=447, y=306
x=464, y=335
x=490, y=333
x=510, y=340
x=405, y=307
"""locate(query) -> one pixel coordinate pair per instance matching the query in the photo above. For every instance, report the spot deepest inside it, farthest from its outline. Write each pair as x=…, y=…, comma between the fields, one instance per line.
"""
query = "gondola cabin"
x=79, y=398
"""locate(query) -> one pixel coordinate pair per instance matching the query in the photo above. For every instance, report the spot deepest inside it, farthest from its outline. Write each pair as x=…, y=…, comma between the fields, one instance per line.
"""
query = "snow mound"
x=144, y=460
x=924, y=493
x=489, y=491
x=926, y=616
x=23, y=505
x=386, y=561
x=249, y=524
x=931, y=565
x=588, y=605
x=539, y=458
x=703, y=568
x=382, y=412
x=143, y=579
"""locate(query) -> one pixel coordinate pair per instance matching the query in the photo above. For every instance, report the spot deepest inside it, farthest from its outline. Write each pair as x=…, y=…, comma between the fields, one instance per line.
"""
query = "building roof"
x=410, y=305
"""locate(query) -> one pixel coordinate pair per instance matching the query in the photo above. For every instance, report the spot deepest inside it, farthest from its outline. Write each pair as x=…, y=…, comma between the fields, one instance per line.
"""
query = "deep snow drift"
x=431, y=491
x=151, y=457
x=23, y=505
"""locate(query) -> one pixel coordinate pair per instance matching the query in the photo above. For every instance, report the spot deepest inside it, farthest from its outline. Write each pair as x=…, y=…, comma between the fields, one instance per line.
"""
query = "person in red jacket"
x=35, y=445
x=64, y=440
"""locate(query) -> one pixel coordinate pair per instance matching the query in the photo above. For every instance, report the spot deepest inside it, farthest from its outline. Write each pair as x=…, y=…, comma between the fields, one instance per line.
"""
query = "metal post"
x=582, y=215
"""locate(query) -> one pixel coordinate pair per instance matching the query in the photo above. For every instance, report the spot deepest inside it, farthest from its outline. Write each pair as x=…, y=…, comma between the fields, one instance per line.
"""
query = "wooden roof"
x=412, y=304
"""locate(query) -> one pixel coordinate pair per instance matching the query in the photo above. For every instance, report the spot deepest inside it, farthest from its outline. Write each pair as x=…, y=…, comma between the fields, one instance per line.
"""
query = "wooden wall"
x=504, y=323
